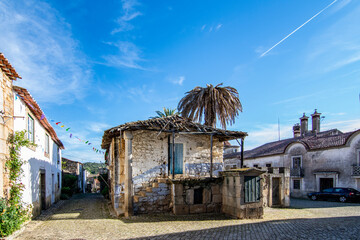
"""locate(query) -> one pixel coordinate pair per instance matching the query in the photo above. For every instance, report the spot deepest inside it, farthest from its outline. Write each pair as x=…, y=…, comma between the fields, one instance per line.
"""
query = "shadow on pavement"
x=321, y=228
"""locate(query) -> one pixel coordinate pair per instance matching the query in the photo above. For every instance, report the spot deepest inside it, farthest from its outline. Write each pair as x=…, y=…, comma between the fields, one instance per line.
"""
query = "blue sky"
x=93, y=66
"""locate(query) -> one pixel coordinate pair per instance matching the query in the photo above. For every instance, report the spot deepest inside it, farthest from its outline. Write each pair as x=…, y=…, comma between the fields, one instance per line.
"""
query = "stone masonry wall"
x=183, y=196
x=6, y=127
x=150, y=155
x=152, y=197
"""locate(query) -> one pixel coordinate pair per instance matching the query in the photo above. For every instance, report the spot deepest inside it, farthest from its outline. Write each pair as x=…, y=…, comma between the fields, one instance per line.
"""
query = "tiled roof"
x=173, y=123
x=323, y=140
x=7, y=68
x=36, y=110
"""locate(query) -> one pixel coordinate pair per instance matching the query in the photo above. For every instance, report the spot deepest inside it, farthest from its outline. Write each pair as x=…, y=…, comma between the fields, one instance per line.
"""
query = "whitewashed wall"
x=35, y=160
x=340, y=159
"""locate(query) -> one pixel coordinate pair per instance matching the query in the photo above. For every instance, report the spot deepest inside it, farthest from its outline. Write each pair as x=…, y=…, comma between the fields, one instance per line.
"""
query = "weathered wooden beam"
x=211, y=155
x=242, y=153
x=173, y=155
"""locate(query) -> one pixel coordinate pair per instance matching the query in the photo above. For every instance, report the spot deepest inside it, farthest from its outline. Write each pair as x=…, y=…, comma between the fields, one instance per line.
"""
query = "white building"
x=317, y=160
x=42, y=168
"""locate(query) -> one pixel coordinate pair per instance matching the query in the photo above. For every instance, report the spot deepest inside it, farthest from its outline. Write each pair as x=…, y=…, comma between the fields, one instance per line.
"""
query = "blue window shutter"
x=178, y=158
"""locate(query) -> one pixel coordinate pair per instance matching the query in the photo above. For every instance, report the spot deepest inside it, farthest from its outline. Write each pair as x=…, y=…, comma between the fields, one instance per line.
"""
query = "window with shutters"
x=296, y=184
x=47, y=144
x=251, y=189
x=30, y=129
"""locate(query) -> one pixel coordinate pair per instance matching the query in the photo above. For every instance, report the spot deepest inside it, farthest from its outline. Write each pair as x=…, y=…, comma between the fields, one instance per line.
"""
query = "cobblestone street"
x=86, y=216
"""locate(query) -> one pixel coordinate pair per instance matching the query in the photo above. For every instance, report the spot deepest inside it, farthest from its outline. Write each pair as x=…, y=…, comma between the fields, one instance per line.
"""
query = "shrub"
x=66, y=190
x=64, y=196
x=105, y=192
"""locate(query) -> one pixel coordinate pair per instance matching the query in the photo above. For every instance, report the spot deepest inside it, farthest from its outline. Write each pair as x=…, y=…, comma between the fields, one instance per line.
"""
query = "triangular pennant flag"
x=67, y=129
x=70, y=135
x=62, y=126
x=57, y=123
x=42, y=117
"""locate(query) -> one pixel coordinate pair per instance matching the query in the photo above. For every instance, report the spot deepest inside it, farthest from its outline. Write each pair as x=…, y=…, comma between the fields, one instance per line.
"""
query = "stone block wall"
x=233, y=202
x=152, y=197
x=283, y=175
x=6, y=127
x=184, y=200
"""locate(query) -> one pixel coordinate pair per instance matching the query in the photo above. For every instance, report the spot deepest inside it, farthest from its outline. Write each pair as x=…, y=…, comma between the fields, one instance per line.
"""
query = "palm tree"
x=212, y=103
x=167, y=112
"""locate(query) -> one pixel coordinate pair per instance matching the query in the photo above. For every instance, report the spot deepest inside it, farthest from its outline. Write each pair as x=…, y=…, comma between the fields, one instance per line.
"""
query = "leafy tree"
x=167, y=112
x=211, y=103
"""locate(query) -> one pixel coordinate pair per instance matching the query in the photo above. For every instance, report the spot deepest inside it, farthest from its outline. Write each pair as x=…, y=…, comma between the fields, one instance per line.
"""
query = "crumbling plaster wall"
x=150, y=154
x=340, y=159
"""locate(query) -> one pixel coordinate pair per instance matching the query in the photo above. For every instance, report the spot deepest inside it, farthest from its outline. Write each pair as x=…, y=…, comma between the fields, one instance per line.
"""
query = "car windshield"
x=339, y=190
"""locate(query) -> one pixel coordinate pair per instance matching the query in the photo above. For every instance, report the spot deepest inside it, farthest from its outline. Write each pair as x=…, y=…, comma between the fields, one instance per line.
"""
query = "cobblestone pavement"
x=86, y=216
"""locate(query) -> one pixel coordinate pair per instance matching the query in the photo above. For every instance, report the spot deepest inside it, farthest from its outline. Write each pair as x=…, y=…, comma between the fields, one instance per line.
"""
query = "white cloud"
x=129, y=13
x=218, y=26
x=97, y=127
x=178, y=80
x=39, y=44
x=203, y=27
x=344, y=126
x=266, y=133
x=128, y=56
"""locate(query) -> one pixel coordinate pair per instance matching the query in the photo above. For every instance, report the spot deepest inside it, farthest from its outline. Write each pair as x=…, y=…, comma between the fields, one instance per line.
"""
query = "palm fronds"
x=211, y=103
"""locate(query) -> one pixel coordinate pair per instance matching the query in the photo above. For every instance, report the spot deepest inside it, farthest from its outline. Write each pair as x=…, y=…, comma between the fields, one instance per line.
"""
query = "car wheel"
x=313, y=197
x=342, y=199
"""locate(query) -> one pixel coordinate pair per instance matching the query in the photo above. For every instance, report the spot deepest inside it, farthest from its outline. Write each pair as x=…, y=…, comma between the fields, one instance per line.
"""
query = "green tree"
x=211, y=103
x=167, y=112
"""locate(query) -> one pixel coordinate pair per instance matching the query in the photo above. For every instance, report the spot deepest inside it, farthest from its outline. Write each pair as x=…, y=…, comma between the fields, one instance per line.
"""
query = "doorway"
x=42, y=190
x=326, y=183
x=275, y=191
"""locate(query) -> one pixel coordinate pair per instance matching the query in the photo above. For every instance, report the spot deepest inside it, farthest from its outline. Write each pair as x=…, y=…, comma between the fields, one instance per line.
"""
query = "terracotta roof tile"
x=323, y=140
x=7, y=68
x=36, y=110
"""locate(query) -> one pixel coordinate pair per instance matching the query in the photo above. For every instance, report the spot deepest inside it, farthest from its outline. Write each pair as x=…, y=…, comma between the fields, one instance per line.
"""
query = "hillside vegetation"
x=93, y=168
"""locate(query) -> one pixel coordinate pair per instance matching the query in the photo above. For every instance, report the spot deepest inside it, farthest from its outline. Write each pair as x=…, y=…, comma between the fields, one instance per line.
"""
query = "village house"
x=317, y=160
x=42, y=168
x=145, y=177
x=70, y=167
x=7, y=76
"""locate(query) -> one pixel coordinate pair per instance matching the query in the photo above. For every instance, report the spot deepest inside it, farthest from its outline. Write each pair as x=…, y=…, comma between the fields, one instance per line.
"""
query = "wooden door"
x=326, y=183
x=275, y=191
x=178, y=158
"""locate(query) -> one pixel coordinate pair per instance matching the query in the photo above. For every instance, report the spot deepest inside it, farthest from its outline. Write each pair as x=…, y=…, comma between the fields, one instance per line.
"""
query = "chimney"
x=315, y=121
x=303, y=125
x=296, y=130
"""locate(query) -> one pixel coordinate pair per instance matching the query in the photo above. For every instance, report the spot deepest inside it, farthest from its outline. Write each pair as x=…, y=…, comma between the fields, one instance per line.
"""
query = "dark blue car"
x=337, y=194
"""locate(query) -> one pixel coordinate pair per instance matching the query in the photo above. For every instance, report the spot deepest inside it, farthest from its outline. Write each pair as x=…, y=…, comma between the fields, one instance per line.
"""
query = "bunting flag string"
x=87, y=142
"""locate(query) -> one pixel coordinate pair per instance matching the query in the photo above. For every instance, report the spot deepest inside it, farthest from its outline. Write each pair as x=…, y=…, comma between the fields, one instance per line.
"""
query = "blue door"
x=178, y=158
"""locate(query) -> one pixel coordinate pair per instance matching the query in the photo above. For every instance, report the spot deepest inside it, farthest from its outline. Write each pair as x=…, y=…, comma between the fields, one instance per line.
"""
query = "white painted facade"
x=337, y=163
x=38, y=162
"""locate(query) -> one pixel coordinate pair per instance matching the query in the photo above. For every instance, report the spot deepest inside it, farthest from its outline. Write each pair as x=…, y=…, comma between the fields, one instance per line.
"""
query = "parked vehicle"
x=338, y=194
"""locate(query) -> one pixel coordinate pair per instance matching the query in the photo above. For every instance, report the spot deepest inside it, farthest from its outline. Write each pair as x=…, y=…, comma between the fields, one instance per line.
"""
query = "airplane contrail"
x=297, y=28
